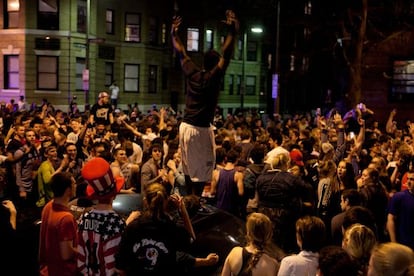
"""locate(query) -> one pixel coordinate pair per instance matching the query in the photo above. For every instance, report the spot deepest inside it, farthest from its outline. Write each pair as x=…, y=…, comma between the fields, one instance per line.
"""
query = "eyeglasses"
x=156, y=150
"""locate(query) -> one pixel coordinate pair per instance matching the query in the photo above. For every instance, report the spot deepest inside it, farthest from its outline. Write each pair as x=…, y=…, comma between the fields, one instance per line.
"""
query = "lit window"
x=306, y=33
x=11, y=72
x=208, y=42
x=308, y=8
x=109, y=21
x=132, y=27
x=305, y=64
x=193, y=39
x=131, y=78
x=11, y=18
x=402, y=80
x=292, y=63
x=164, y=34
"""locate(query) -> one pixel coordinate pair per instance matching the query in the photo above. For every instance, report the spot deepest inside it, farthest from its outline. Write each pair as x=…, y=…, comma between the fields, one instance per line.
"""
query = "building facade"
x=57, y=49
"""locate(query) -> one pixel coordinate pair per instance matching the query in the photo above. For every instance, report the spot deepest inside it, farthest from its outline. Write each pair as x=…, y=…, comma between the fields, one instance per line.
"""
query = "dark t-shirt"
x=149, y=247
x=101, y=112
x=203, y=89
x=402, y=206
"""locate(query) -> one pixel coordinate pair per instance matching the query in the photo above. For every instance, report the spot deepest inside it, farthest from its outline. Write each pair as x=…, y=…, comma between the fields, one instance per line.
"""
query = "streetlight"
x=244, y=58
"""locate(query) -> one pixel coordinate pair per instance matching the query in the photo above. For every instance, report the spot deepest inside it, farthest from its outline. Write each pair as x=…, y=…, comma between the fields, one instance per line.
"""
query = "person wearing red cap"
x=296, y=157
x=100, y=229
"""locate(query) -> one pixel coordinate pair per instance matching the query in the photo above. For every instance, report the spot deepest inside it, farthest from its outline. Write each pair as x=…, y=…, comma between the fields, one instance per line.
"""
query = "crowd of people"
x=333, y=191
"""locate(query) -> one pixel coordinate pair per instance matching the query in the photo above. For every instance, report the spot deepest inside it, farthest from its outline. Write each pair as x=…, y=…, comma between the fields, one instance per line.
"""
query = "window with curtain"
x=11, y=14
x=11, y=72
x=193, y=36
x=109, y=19
x=132, y=27
x=47, y=72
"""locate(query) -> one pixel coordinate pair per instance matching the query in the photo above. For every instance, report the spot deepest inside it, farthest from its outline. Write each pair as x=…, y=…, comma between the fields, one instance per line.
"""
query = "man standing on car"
x=203, y=87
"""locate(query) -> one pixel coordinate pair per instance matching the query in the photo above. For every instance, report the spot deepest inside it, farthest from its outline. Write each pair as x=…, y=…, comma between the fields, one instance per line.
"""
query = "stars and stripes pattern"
x=99, y=234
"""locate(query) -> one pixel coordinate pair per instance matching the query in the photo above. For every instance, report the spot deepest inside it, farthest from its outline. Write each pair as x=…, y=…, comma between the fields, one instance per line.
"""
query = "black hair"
x=211, y=58
x=257, y=153
x=361, y=215
x=353, y=197
x=60, y=182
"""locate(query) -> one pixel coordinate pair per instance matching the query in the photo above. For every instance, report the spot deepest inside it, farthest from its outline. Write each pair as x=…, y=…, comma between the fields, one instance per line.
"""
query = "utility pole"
x=276, y=76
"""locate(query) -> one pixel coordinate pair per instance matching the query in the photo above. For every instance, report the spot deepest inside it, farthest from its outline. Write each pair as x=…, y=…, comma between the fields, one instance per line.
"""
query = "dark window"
x=152, y=79
x=109, y=73
x=251, y=54
x=238, y=83
x=131, y=78
x=82, y=16
x=231, y=84
x=47, y=72
x=153, y=31
x=250, y=85
x=48, y=15
x=133, y=27
x=47, y=43
x=11, y=72
x=164, y=78
x=106, y=52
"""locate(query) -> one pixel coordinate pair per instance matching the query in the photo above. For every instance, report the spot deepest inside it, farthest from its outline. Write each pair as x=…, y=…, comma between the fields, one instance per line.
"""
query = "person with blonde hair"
x=252, y=259
x=391, y=259
x=358, y=241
